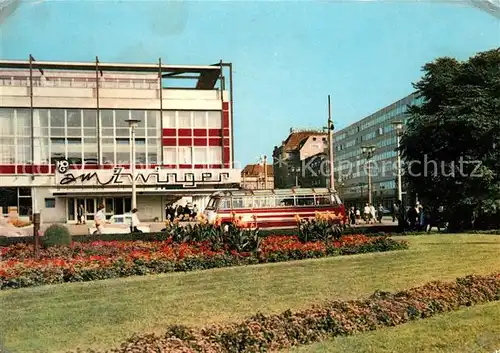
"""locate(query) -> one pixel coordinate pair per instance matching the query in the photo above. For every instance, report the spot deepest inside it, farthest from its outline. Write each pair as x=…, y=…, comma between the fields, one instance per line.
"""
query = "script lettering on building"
x=118, y=176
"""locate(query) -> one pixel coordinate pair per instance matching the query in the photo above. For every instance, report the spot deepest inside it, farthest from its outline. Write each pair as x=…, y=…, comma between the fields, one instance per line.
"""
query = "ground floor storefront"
x=62, y=197
x=57, y=208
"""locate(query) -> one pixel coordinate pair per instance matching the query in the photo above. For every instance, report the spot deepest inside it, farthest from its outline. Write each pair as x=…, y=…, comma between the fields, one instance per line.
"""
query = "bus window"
x=304, y=200
x=242, y=202
x=225, y=204
x=335, y=200
x=284, y=201
x=212, y=204
x=264, y=201
x=323, y=200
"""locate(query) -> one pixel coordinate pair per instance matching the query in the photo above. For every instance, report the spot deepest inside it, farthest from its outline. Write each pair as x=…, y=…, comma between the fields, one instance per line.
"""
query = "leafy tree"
x=452, y=141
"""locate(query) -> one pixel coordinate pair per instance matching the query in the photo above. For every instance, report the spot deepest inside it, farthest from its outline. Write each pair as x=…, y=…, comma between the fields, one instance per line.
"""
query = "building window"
x=214, y=155
x=50, y=203
x=214, y=119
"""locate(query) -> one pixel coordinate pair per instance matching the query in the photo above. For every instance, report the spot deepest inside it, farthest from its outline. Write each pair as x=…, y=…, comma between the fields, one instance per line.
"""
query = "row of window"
x=275, y=201
x=211, y=119
x=113, y=123
x=192, y=155
x=373, y=121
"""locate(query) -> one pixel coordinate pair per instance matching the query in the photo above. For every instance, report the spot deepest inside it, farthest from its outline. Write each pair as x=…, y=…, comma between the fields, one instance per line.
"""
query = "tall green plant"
x=56, y=235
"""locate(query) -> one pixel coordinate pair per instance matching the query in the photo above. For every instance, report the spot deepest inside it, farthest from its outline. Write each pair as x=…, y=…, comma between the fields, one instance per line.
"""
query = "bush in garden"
x=56, y=235
x=325, y=227
x=264, y=333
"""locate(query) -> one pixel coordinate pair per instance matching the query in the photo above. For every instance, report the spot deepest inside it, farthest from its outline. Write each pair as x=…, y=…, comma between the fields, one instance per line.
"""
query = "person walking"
x=380, y=213
x=135, y=222
x=100, y=218
x=373, y=216
x=367, y=213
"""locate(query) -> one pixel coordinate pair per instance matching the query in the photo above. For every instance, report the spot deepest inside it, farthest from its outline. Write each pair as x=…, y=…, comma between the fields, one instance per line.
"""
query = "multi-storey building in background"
x=65, y=140
x=350, y=164
x=289, y=158
x=257, y=176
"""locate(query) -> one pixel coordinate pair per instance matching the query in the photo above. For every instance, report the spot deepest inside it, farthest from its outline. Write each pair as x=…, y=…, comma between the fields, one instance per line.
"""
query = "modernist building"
x=351, y=165
x=257, y=176
x=65, y=139
x=289, y=158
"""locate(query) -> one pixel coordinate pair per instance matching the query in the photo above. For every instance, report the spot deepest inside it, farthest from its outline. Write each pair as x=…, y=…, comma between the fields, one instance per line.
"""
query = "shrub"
x=264, y=333
x=324, y=227
x=56, y=235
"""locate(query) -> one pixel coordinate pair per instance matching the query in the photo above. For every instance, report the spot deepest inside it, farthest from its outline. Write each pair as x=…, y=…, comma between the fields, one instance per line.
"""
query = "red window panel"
x=185, y=142
x=227, y=157
x=184, y=132
x=214, y=132
x=200, y=142
x=169, y=132
x=225, y=105
x=200, y=132
x=215, y=142
x=227, y=132
x=225, y=118
x=169, y=141
x=227, y=142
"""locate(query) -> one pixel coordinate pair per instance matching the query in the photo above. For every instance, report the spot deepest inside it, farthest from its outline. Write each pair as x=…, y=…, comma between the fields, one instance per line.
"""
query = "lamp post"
x=368, y=152
x=398, y=126
x=132, y=124
x=330, y=128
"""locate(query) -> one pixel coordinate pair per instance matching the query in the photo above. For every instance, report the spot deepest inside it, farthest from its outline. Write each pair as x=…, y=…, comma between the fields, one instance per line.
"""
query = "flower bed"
x=264, y=333
x=112, y=259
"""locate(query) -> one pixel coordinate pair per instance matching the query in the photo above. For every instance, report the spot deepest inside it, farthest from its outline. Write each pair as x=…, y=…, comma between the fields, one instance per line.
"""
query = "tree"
x=452, y=141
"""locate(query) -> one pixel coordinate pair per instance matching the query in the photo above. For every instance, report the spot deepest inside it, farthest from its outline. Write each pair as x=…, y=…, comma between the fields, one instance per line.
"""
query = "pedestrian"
x=394, y=211
x=195, y=211
x=373, y=216
x=100, y=219
x=367, y=213
x=400, y=215
x=135, y=222
x=380, y=213
x=358, y=215
x=352, y=215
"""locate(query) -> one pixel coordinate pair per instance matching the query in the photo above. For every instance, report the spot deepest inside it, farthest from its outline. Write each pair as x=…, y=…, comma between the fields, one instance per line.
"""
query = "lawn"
x=103, y=313
x=471, y=330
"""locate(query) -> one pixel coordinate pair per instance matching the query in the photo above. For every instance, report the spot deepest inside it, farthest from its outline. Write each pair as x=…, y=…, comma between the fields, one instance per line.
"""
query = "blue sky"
x=287, y=56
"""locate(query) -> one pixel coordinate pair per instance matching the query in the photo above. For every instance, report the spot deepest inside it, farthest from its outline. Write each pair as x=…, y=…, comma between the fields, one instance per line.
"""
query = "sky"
x=287, y=56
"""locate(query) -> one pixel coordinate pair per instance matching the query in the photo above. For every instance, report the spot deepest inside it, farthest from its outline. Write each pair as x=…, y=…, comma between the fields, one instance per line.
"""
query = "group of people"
x=100, y=220
x=418, y=218
x=180, y=211
x=369, y=215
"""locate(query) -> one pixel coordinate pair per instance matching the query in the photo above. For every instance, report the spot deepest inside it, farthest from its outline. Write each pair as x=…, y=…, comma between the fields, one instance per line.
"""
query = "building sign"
x=157, y=177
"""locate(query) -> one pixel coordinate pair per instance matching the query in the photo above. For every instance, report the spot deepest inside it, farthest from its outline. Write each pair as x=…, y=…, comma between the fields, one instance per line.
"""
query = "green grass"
x=103, y=313
x=471, y=330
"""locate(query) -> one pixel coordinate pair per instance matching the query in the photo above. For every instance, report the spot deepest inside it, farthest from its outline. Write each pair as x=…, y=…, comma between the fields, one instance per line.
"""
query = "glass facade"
x=72, y=134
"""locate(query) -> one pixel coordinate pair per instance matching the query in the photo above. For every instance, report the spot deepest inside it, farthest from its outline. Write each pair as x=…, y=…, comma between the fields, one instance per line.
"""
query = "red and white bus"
x=272, y=208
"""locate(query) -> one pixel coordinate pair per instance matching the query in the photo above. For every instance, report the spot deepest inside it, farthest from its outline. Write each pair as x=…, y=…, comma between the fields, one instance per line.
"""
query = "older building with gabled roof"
x=288, y=158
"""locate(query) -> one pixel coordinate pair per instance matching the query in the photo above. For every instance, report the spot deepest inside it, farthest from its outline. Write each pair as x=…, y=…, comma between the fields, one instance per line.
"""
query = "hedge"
x=159, y=236
x=59, y=265
x=263, y=333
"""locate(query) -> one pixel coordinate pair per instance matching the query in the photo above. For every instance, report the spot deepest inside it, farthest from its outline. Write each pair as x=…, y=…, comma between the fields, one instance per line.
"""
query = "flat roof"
x=208, y=74
x=123, y=67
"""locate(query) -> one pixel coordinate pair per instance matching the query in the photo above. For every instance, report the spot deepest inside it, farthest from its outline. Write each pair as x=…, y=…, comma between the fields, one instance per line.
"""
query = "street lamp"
x=398, y=126
x=368, y=152
x=132, y=124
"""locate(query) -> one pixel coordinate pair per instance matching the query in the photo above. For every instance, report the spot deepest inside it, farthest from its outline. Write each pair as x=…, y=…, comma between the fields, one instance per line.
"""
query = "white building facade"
x=65, y=140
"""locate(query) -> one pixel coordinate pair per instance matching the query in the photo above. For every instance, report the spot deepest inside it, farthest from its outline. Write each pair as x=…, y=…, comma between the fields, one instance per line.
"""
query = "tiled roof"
x=256, y=169
x=295, y=139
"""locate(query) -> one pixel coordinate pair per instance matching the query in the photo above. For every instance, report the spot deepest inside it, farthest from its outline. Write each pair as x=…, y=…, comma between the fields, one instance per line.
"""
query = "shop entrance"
x=114, y=206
